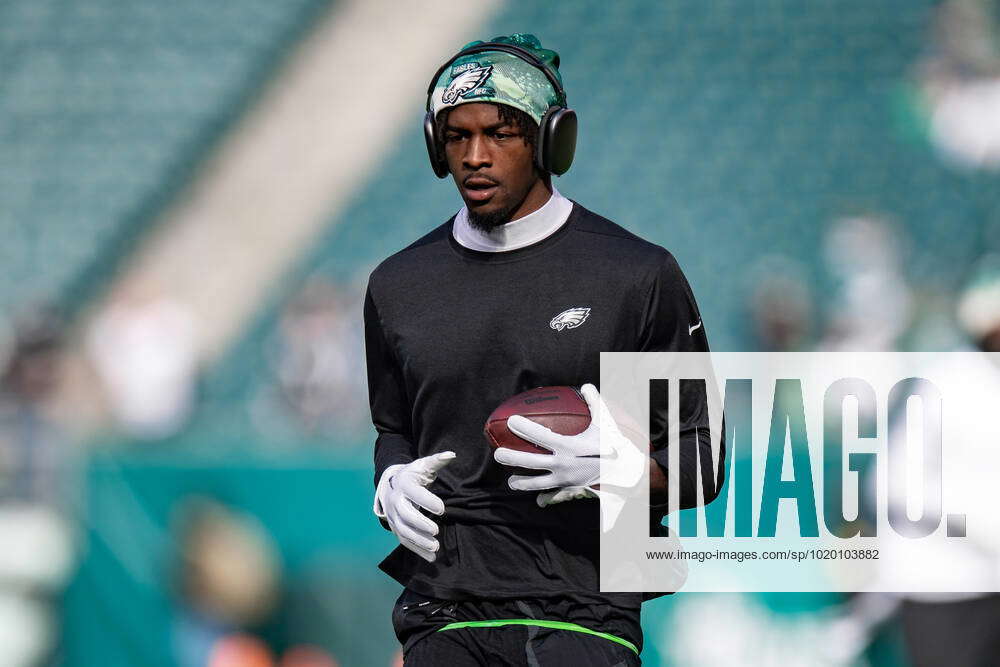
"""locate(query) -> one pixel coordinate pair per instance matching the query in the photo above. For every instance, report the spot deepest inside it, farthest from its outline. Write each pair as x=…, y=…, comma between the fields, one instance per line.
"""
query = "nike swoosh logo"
x=694, y=328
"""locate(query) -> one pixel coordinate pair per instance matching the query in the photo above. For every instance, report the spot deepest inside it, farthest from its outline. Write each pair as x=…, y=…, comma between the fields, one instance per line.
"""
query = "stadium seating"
x=105, y=108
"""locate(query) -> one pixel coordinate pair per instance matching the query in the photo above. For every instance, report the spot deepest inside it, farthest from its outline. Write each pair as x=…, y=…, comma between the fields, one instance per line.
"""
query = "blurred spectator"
x=228, y=585
x=958, y=626
x=317, y=365
x=144, y=349
x=979, y=307
x=240, y=651
x=307, y=656
x=30, y=441
x=963, y=628
x=959, y=83
x=872, y=304
x=781, y=307
x=37, y=550
x=762, y=630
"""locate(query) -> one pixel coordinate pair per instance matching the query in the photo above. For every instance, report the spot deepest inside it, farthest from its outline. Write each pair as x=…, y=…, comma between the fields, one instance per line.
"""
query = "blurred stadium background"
x=192, y=195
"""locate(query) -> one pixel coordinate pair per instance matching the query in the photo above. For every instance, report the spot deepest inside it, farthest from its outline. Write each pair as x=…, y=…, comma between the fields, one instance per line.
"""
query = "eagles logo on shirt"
x=569, y=319
x=466, y=82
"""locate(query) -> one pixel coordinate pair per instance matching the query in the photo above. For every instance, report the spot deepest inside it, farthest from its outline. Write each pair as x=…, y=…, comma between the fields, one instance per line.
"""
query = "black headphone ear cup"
x=542, y=138
x=556, y=143
x=438, y=163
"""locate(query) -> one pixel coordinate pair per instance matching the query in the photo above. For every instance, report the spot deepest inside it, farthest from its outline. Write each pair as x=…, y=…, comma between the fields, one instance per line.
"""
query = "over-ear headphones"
x=556, y=141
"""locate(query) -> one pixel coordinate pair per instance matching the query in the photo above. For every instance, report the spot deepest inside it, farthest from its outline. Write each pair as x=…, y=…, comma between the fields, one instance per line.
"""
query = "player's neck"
x=521, y=232
x=537, y=197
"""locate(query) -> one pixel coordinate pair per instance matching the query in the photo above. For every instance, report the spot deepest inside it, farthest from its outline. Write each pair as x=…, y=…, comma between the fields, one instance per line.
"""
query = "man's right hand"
x=401, y=490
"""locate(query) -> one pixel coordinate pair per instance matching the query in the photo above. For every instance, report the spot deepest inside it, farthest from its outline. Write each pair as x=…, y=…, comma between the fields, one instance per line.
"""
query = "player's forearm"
x=657, y=483
x=392, y=449
x=695, y=461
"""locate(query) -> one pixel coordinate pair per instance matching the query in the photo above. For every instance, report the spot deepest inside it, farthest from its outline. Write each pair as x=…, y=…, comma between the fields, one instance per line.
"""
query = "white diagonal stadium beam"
x=312, y=138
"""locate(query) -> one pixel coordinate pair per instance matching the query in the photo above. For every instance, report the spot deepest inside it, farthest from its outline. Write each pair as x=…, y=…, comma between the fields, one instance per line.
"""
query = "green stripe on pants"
x=557, y=625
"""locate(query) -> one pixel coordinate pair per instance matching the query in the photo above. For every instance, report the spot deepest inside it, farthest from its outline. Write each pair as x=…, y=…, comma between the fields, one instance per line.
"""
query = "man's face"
x=493, y=166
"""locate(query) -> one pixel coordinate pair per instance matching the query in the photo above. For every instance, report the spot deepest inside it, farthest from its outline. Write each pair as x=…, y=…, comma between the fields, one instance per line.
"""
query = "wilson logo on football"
x=569, y=319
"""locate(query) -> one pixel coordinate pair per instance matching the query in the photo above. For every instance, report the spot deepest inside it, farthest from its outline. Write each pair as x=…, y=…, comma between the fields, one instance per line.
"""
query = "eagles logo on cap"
x=466, y=83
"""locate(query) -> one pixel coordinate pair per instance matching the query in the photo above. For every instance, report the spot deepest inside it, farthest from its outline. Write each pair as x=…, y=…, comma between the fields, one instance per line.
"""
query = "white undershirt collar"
x=515, y=234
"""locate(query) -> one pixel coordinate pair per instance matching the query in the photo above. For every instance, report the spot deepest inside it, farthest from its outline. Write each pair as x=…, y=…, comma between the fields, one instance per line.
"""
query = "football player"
x=521, y=288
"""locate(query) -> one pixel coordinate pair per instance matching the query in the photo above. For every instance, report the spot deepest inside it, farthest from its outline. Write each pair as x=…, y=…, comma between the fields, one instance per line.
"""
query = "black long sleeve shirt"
x=451, y=333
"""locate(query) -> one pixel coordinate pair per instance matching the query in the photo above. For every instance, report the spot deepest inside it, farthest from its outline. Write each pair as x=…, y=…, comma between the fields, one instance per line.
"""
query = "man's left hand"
x=575, y=464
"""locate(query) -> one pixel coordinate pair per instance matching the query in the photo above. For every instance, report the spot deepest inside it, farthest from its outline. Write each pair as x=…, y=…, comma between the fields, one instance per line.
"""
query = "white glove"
x=576, y=461
x=401, y=489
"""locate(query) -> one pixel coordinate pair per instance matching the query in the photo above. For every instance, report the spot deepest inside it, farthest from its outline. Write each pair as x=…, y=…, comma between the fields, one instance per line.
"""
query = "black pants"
x=418, y=621
x=964, y=633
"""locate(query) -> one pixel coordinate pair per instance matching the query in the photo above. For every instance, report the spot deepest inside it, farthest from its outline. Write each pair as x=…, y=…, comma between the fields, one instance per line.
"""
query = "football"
x=561, y=409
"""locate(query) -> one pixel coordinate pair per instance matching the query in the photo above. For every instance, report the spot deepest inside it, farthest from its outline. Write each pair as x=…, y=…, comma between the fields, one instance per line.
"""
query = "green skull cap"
x=504, y=78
